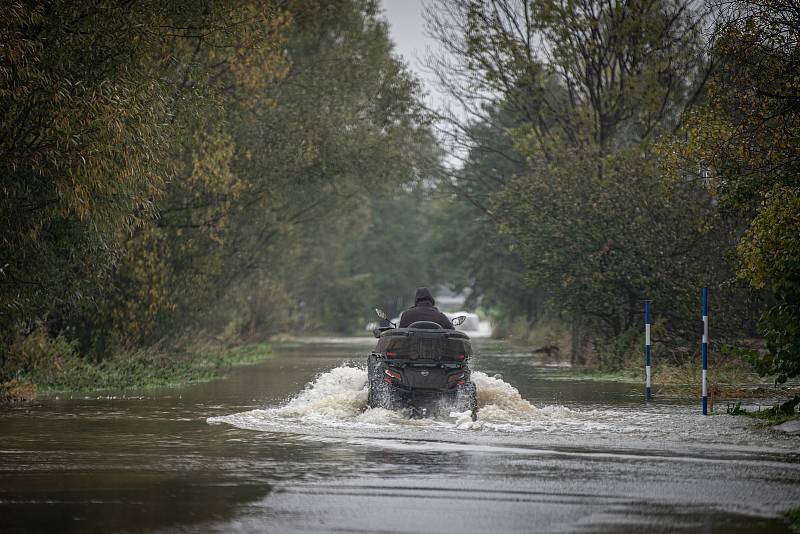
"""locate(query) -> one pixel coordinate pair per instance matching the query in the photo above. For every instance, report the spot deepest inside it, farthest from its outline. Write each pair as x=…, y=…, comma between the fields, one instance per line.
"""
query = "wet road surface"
x=289, y=446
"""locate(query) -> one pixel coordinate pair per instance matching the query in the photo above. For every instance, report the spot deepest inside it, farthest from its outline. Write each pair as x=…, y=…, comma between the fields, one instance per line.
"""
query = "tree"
x=591, y=88
x=471, y=254
x=176, y=266
x=89, y=95
x=745, y=140
x=396, y=251
x=296, y=146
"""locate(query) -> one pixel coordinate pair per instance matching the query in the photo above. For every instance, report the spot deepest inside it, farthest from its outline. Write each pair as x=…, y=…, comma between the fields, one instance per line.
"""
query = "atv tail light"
x=460, y=357
x=391, y=354
x=462, y=382
x=392, y=374
x=452, y=378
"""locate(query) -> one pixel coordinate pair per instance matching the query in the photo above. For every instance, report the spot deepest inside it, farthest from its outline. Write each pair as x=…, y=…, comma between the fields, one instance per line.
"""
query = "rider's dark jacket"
x=424, y=310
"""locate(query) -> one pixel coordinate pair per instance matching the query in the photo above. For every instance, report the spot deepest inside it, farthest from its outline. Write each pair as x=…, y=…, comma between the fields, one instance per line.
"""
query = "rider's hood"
x=423, y=294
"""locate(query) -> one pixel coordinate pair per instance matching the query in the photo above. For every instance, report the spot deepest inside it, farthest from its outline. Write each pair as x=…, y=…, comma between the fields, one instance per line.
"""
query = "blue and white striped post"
x=647, y=349
x=705, y=351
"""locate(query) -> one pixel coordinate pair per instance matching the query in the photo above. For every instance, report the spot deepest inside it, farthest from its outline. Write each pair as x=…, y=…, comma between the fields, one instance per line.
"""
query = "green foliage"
x=770, y=252
x=605, y=242
x=97, y=98
x=271, y=181
x=793, y=516
x=563, y=158
x=471, y=252
x=346, y=132
x=83, y=133
x=770, y=249
x=620, y=352
x=396, y=251
x=472, y=255
x=47, y=362
x=186, y=166
x=781, y=327
x=735, y=409
x=175, y=267
x=54, y=364
x=775, y=415
x=745, y=138
x=590, y=215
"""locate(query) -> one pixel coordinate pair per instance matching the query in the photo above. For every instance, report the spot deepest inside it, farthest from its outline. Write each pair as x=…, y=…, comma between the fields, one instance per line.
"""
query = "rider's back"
x=424, y=310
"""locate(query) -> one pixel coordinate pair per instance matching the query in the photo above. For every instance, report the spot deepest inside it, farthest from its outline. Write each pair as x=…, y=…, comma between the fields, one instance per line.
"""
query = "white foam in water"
x=337, y=402
x=338, y=398
x=338, y=394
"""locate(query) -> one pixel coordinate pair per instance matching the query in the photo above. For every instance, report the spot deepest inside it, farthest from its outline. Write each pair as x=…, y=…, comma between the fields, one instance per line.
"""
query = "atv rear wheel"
x=379, y=393
x=468, y=396
x=373, y=381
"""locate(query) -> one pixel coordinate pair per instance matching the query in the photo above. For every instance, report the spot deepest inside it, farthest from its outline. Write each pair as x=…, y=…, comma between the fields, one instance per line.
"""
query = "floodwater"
x=289, y=446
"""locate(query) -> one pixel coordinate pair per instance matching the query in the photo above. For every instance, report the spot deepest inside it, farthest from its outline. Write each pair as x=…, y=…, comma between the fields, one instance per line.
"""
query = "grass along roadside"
x=45, y=366
x=793, y=516
x=676, y=361
x=667, y=375
x=774, y=415
x=730, y=381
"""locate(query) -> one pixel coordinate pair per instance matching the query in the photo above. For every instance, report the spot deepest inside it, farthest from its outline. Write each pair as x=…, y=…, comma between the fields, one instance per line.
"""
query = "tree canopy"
x=165, y=162
x=254, y=167
x=586, y=94
x=744, y=140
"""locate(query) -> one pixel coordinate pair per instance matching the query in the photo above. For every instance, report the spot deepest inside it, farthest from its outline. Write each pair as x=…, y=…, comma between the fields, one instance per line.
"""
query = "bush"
x=54, y=364
x=620, y=352
x=17, y=391
x=47, y=362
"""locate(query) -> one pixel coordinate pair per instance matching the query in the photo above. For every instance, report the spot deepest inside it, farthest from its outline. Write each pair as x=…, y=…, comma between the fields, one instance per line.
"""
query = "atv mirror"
x=458, y=320
x=382, y=314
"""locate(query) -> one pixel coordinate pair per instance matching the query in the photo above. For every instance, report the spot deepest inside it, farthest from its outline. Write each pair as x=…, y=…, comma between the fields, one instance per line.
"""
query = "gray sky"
x=407, y=28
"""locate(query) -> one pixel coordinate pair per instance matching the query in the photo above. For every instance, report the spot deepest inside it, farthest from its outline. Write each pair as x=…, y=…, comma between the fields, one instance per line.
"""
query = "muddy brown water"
x=288, y=445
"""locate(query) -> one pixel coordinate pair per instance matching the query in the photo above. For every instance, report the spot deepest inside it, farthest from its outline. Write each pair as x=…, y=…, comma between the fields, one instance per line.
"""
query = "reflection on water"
x=290, y=446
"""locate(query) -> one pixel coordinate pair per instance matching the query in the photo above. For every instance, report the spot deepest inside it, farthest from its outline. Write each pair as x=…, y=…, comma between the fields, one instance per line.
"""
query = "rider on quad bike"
x=424, y=309
x=422, y=365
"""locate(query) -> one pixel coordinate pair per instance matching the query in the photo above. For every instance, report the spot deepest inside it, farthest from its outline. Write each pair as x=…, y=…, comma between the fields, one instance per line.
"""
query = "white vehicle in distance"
x=472, y=325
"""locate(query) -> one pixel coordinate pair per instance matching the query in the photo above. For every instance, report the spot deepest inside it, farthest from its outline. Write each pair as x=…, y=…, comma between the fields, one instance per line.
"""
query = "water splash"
x=499, y=401
x=335, y=403
x=338, y=398
x=338, y=394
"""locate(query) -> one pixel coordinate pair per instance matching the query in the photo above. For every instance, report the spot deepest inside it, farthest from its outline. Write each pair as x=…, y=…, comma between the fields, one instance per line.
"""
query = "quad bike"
x=423, y=368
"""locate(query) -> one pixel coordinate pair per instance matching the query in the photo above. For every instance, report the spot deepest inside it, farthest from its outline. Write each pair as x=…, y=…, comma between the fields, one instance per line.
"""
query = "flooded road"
x=288, y=446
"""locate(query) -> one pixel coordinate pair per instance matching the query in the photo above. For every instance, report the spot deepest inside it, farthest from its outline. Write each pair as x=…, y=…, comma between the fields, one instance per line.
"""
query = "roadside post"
x=704, y=348
x=647, y=349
